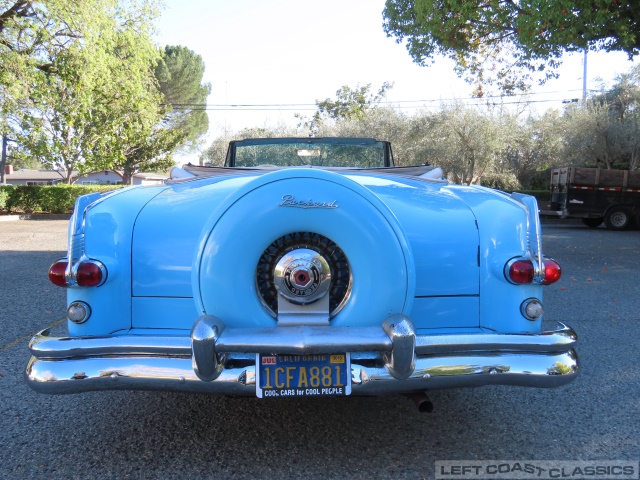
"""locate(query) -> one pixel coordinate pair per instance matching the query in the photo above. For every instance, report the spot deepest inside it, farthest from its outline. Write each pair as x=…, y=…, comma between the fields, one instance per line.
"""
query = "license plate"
x=303, y=375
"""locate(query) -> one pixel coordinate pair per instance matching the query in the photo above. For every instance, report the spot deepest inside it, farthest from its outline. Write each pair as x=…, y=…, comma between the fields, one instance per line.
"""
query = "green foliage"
x=80, y=90
x=349, y=104
x=605, y=132
x=509, y=43
x=180, y=121
x=151, y=153
x=179, y=74
x=49, y=199
x=19, y=160
x=493, y=146
x=23, y=198
x=4, y=196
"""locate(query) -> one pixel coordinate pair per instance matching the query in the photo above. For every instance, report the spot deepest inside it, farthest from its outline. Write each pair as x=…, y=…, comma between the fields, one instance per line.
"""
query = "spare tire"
x=326, y=207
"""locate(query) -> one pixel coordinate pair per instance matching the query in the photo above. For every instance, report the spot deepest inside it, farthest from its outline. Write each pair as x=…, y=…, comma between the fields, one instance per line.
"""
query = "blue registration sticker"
x=303, y=375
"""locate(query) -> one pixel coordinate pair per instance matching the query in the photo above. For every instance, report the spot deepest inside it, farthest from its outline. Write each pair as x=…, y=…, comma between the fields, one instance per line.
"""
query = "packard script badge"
x=290, y=201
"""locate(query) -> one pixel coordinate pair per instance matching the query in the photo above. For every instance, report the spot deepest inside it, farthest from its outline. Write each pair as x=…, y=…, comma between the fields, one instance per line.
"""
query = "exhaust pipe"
x=422, y=401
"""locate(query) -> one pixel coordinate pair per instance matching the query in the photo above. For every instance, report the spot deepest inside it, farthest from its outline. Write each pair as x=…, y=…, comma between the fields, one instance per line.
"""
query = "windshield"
x=355, y=153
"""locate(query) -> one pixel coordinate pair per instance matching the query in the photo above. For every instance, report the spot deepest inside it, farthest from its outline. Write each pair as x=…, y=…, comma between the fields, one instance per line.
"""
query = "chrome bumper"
x=391, y=359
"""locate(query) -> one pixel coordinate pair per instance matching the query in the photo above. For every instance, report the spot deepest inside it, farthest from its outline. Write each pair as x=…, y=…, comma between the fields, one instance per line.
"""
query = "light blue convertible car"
x=304, y=267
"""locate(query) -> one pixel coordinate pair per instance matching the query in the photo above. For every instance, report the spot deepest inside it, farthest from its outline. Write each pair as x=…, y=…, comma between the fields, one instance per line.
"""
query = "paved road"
x=167, y=435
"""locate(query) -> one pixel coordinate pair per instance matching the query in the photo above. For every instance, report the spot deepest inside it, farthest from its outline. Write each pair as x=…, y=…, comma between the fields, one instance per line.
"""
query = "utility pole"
x=3, y=162
x=584, y=77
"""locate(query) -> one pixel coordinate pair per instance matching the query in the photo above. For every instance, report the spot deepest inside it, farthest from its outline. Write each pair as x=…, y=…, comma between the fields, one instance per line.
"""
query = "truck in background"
x=595, y=195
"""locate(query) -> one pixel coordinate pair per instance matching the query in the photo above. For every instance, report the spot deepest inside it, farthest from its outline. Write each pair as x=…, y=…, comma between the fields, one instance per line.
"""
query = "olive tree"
x=466, y=143
x=534, y=146
x=592, y=135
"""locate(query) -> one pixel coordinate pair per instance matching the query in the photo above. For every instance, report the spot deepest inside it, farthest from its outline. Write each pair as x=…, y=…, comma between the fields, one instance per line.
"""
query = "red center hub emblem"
x=301, y=278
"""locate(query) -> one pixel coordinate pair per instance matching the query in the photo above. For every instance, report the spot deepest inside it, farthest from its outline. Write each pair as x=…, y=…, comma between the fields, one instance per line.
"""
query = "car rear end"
x=304, y=282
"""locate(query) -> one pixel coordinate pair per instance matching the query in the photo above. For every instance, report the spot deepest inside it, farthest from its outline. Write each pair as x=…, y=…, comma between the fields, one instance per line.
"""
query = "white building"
x=51, y=177
x=32, y=177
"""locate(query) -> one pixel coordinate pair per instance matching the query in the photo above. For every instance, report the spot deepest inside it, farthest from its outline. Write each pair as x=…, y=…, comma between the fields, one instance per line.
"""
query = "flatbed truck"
x=595, y=195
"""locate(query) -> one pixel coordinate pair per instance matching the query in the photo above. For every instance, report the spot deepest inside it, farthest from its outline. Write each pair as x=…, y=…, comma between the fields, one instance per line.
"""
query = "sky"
x=268, y=59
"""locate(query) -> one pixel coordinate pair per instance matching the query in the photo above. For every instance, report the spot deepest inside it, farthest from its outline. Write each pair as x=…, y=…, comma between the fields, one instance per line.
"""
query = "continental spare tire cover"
x=301, y=202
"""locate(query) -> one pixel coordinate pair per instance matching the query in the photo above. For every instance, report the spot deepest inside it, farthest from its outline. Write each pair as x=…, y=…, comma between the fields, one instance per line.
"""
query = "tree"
x=349, y=104
x=216, y=153
x=180, y=121
x=623, y=97
x=352, y=103
x=179, y=74
x=606, y=131
x=466, y=144
x=592, y=135
x=31, y=33
x=510, y=43
x=533, y=147
x=82, y=99
x=152, y=153
x=631, y=140
x=382, y=123
x=34, y=33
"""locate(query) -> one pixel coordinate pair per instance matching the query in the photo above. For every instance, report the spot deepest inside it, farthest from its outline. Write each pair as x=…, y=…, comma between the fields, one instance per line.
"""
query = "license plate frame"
x=295, y=375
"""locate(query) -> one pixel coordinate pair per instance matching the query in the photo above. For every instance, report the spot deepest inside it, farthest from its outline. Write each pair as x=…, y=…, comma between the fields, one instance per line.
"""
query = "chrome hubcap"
x=302, y=268
x=302, y=276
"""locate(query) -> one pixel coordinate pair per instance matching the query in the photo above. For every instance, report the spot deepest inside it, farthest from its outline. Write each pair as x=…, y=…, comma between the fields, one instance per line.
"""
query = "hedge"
x=45, y=198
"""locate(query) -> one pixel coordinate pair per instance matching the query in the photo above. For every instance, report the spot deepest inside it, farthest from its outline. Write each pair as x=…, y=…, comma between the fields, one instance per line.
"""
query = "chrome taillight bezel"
x=83, y=306
x=526, y=306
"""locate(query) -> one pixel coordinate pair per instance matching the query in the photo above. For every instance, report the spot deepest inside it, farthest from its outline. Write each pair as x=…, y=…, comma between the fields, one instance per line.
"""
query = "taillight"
x=521, y=271
x=552, y=272
x=90, y=273
x=57, y=273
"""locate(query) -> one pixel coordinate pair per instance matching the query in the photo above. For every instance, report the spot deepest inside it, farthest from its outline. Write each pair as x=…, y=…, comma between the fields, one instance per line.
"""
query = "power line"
x=269, y=107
